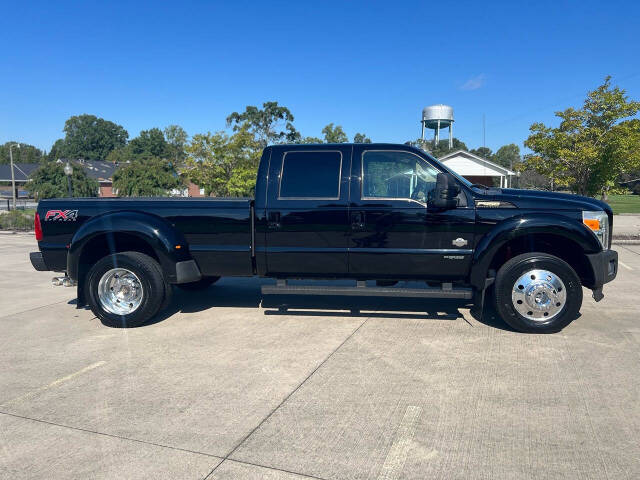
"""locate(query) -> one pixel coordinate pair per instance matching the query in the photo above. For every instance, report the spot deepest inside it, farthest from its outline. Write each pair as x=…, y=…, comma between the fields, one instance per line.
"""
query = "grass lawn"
x=625, y=203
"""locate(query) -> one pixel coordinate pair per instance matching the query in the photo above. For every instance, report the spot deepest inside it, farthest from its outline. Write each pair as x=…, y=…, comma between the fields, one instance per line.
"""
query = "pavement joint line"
x=54, y=383
x=32, y=309
x=287, y=398
x=628, y=250
x=268, y=468
x=111, y=435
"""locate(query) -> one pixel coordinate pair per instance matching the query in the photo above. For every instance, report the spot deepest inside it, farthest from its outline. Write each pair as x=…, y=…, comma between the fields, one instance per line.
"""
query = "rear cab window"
x=310, y=175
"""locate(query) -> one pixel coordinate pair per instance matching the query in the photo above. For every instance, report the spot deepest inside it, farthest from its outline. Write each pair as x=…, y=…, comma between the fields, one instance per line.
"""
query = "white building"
x=477, y=169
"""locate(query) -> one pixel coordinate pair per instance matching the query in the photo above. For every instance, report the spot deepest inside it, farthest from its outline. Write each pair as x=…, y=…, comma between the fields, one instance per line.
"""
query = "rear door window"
x=311, y=175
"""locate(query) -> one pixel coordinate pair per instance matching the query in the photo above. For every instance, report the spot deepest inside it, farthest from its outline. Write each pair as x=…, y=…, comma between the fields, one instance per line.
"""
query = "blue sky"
x=368, y=66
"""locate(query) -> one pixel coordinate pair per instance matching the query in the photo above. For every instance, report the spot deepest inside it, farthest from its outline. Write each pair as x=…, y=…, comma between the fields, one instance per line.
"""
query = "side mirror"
x=446, y=191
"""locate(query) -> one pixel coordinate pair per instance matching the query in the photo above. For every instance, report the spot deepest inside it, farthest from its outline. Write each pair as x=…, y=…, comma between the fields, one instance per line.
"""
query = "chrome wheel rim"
x=539, y=295
x=120, y=291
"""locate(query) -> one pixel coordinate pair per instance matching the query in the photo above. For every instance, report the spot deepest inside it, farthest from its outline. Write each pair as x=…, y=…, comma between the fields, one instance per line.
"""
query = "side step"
x=361, y=290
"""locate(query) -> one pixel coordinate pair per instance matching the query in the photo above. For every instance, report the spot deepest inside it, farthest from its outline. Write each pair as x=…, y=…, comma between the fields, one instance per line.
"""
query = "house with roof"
x=102, y=172
x=478, y=170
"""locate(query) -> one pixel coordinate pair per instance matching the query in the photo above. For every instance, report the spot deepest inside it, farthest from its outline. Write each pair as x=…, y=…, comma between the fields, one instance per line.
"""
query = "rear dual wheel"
x=538, y=293
x=126, y=289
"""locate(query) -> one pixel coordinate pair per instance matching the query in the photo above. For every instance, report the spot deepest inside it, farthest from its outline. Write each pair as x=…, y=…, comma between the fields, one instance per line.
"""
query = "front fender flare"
x=521, y=226
x=159, y=234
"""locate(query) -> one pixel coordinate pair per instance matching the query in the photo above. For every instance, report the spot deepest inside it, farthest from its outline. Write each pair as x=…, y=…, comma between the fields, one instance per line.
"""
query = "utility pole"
x=13, y=178
x=484, y=132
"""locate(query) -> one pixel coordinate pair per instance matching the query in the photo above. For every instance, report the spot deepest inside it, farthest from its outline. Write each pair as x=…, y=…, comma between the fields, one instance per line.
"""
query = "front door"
x=394, y=234
x=307, y=211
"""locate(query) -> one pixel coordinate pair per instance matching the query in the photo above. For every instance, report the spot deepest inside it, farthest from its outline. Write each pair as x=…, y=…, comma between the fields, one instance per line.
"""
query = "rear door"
x=307, y=211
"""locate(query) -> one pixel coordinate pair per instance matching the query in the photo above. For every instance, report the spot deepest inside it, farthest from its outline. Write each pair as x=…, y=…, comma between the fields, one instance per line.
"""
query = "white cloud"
x=474, y=83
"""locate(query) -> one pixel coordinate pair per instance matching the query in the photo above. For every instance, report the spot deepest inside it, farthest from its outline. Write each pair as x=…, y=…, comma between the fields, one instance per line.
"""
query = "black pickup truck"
x=379, y=212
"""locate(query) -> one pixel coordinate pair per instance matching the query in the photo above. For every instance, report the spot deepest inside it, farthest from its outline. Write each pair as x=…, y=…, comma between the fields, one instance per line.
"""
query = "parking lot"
x=224, y=386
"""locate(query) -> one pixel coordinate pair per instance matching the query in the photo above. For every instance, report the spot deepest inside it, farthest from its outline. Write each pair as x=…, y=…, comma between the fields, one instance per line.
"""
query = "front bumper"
x=37, y=260
x=604, y=265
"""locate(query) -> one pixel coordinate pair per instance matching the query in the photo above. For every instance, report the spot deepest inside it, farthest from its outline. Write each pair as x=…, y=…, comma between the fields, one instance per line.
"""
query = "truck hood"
x=537, y=199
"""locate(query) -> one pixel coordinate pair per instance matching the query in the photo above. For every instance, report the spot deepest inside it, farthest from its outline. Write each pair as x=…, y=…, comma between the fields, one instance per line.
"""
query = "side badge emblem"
x=459, y=242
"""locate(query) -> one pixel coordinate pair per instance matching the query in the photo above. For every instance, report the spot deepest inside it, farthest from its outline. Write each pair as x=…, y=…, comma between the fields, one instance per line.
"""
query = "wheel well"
x=106, y=244
x=556, y=245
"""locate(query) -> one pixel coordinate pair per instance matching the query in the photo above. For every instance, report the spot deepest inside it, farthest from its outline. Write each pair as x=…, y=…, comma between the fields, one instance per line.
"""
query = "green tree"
x=508, y=156
x=49, y=181
x=25, y=154
x=176, y=140
x=334, y=134
x=91, y=138
x=271, y=124
x=483, y=152
x=441, y=149
x=361, y=138
x=224, y=165
x=146, y=177
x=592, y=146
x=309, y=140
x=120, y=155
x=57, y=150
x=149, y=143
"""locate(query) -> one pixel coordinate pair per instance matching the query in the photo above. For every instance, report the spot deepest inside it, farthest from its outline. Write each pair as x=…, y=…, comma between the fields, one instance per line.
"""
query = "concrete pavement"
x=224, y=387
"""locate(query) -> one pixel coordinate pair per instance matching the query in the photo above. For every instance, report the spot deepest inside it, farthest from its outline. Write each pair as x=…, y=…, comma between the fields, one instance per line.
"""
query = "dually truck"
x=365, y=212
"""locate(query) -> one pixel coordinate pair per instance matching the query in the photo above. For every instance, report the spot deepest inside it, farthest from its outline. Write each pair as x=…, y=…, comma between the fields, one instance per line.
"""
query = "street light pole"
x=13, y=178
x=68, y=171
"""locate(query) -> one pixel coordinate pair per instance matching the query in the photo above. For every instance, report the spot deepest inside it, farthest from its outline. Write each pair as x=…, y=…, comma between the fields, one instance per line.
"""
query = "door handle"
x=274, y=220
x=357, y=220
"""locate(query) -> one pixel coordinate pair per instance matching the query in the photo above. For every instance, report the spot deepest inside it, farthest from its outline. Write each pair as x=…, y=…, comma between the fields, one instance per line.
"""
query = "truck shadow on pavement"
x=245, y=293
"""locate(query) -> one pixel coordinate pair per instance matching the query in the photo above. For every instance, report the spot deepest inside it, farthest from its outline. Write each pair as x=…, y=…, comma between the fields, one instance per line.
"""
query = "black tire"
x=151, y=282
x=513, y=269
x=204, y=282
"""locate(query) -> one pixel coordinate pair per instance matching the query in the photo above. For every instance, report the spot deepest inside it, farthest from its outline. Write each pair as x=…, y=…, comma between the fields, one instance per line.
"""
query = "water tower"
x=436, y=117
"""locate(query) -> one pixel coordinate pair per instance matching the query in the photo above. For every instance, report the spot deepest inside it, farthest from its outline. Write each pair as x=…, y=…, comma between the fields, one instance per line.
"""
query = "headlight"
x=598, y=222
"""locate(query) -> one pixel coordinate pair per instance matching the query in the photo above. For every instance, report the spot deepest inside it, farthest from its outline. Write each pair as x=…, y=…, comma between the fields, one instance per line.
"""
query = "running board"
x=361, y=290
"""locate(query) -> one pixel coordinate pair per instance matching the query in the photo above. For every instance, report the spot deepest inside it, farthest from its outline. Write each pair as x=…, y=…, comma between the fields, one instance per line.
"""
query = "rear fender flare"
x=159, y=234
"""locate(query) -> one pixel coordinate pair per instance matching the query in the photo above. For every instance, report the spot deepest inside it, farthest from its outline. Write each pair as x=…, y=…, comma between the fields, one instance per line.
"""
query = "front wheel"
x=125, y=289
x=537, y=293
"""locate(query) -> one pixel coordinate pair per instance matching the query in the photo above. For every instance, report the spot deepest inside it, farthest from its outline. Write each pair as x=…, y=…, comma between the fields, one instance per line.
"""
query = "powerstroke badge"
x=61, y=215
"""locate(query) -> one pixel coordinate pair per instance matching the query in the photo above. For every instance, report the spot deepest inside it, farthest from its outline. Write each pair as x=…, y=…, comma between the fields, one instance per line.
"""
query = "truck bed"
x=217, y=230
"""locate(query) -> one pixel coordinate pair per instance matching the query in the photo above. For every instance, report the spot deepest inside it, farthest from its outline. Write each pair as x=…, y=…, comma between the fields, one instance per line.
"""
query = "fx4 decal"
x=61, y=215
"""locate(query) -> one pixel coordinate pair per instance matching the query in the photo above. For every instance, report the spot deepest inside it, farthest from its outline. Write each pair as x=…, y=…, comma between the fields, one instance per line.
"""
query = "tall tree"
x=508, y=156
x=149, y=143
x=25, y=154
x=91, y=138
x=176, y=139
x=50, y=181
x=308, y=140
x=483, y=152
x=224, y=165
x=441, y=149
x=146, y=177
x=334, y=134
x=272, y=123
x=57, y=150
x=592, y=146
x=361, y=138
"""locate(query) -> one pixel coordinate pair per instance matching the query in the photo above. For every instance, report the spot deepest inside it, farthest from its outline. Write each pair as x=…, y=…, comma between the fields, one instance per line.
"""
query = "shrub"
x=17, y=220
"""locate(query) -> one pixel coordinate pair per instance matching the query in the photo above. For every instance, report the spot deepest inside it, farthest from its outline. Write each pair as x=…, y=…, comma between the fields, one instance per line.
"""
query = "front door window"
x=396, y=175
